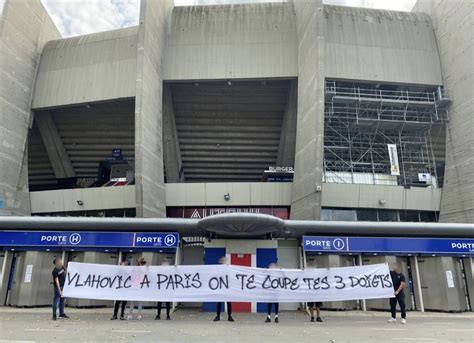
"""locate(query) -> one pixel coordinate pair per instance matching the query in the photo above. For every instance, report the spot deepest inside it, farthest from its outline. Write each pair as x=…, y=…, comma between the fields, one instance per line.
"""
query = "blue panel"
x=51, y=239
x=265, y=256
x=390, y=245
x=212, y=256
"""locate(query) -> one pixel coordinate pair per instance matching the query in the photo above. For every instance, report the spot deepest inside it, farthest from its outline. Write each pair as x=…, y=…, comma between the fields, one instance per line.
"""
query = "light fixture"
x=80, y=202
x=382, y=202
x=227, y=197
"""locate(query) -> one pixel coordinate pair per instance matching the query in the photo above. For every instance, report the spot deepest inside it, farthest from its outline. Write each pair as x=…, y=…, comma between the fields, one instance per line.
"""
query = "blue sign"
x=89, y=239
x=117, y=153
x=391, y=245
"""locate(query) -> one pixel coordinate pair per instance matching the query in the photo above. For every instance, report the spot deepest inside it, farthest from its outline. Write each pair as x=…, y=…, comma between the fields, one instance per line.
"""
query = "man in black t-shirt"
x=59, y=278
x=399, y=284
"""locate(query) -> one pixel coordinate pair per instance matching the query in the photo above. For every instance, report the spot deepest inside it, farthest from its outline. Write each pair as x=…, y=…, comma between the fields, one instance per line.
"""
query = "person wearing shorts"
x=315, y=307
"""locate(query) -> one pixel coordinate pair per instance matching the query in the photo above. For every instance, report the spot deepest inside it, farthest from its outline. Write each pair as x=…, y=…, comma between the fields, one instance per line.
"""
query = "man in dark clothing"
x=272, y=265
x=120, y=302
x=159, y=304
x=223, y=260
x=315, y=307
x=59, y=278
x=399, y=284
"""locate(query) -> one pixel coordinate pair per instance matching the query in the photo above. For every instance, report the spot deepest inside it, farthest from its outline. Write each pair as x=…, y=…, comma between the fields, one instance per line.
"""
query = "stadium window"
x=367, y=215
x=326, y=214
x=388, y=216
x=409, y=216
x=428, y=216
x=345, y=215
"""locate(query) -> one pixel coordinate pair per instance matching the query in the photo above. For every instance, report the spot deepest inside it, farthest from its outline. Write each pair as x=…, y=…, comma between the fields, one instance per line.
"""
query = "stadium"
x=239, y=124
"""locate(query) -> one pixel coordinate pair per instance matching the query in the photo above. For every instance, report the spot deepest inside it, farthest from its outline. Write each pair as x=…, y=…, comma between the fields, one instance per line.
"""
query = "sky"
x=78, y=17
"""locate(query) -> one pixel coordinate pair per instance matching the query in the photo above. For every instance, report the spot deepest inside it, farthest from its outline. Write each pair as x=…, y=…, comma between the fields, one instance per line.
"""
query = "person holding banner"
x=223, y=260
x=120, y=302
x=59, y=278
x=272, y=265
x=399, y=284
x=136, y=279
x=315, y=307
x=159, y=304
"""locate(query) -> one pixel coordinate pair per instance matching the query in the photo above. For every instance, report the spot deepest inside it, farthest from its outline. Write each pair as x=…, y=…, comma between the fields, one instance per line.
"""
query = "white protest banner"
x=211, y=283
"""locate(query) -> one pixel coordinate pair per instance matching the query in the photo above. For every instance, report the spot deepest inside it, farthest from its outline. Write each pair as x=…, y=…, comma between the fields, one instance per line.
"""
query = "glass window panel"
x=388, y=216
x=326, y=214
x=345, y=215
x=409, y=216
x=367, y=215
x=428, y=216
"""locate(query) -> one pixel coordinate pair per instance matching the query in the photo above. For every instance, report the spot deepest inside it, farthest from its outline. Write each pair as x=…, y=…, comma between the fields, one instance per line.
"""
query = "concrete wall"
x=368, y=196
x=149, y=174
x=452, y=22
x=231, y=41
x=24, y=28
x=380, y=45
x=95, y=67
x=241, y=194
x=99, y=198
x=306, y=198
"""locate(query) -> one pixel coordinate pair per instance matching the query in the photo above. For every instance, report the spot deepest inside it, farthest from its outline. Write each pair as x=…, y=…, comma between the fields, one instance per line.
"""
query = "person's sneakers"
x=404, y=321
x=268, y=320
x=139, y=317
x=122, y=317
x=276, y=320
x=168, y=318
x=230, y=319
x=113, y=318
x=157, y=317
x=129, y=317
x=319, y=320
x=392, y=320
x=216, y=319
x=65, y=316
x=312, y=319
x=54, y=317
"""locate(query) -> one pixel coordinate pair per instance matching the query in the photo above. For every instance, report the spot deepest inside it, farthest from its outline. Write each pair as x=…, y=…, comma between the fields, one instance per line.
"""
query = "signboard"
x=211, y=283
x=202, y=212
x=89, y=239
x=391, y=245
x=393, y=155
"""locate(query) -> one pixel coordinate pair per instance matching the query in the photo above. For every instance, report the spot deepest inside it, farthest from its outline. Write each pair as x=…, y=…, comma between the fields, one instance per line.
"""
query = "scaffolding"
x=362, y=119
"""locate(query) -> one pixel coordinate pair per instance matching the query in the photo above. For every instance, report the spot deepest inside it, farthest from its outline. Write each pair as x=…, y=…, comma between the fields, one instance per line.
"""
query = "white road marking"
x=417, y=339
x=461, y=330
x=438, y=323
x=131, y=331
x=366, y=322
x=46, y=330
x=10, y=341
x=388, y=329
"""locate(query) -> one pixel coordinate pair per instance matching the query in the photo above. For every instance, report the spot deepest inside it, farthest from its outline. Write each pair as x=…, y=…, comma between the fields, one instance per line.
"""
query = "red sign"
x=202, y=212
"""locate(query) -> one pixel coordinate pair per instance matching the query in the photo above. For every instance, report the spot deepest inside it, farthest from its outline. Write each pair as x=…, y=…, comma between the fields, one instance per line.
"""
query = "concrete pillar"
x=54, y=145
x=149, y=173
x=24, y=28
x=286, y=150
x=306, y=193
x=457, y=204
x=171, y=151
x=6, y=263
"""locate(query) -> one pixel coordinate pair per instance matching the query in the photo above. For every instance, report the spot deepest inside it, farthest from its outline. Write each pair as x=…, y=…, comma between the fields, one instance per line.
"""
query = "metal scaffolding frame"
x=361, y=119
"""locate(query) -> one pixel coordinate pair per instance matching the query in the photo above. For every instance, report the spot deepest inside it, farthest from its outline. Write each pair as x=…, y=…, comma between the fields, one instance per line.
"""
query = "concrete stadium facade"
x=202, y=99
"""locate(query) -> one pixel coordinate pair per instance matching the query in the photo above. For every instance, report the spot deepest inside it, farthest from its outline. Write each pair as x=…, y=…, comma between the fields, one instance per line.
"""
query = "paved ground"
x=35, y=325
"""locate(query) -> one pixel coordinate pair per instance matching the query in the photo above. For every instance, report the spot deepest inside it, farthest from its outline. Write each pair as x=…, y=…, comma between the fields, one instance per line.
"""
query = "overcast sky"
x=78, y=17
